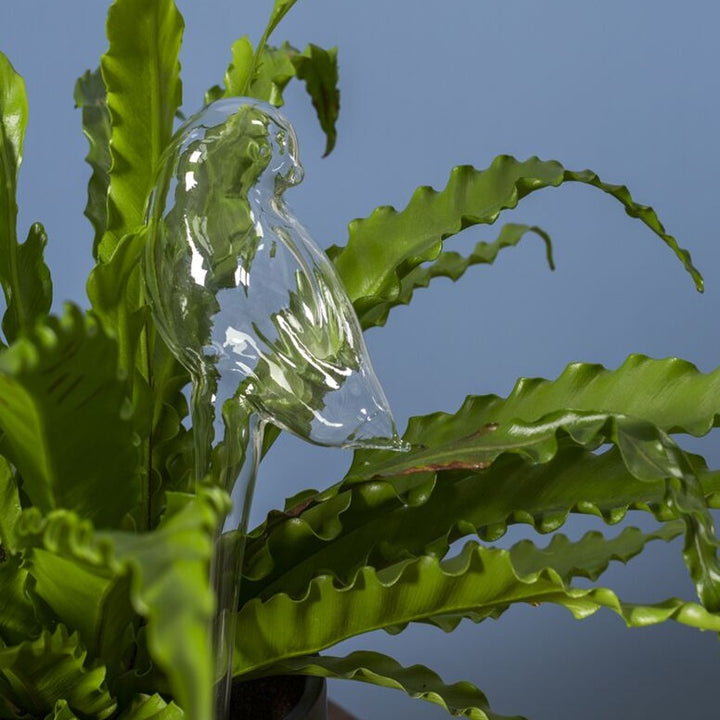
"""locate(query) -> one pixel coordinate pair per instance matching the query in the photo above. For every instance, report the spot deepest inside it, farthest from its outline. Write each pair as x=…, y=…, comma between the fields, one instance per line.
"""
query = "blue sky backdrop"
x=628, y=89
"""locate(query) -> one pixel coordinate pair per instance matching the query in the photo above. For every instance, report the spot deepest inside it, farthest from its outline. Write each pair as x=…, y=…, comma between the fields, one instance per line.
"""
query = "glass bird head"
x=241, y=293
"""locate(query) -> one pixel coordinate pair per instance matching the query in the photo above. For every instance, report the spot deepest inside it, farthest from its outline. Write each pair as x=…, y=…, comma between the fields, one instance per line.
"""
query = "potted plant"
x=105, y=538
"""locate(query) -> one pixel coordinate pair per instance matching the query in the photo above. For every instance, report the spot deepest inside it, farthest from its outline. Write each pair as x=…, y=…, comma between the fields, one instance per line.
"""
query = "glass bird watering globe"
x=254, y=310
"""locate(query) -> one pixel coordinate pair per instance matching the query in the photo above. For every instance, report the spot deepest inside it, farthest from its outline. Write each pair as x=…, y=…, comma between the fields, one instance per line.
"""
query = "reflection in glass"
x=255, y=311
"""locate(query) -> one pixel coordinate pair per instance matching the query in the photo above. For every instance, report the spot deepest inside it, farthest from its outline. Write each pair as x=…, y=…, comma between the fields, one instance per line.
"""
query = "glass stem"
x=201, y=406
x=238, y=462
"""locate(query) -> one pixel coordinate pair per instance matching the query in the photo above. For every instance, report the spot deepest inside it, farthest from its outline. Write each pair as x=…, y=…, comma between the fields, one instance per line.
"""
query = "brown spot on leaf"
x=298, y=509
x=484, y=430
x=449, y=465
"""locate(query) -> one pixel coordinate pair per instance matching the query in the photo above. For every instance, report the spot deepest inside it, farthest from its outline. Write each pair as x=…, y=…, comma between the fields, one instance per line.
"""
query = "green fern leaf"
x=10, y=507
x=648, y=453
x=237, y=75
x=13, y=121
x=477, y=583
x=459, y=699
x=382, y=519
x=273, y=72
x=451, y=265
x=169, y=585
x=689, y=402
x=64, y=418
x=91, y=96
x=152, y=708
x=18, y=618
x=24, y=277
x=382, y=522
x=280, y=9
x=265, y=76
x=62, y=711
x=319, y=69
x=39, y=673
x=386, y=246
x=141, y=72
x=31, y=297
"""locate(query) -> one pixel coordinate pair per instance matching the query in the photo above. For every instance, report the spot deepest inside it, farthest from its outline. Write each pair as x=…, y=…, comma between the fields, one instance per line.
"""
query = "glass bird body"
x=255, y=311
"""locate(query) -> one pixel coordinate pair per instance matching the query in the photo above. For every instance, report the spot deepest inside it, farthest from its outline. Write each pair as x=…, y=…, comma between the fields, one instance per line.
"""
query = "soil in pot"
x=275, y=698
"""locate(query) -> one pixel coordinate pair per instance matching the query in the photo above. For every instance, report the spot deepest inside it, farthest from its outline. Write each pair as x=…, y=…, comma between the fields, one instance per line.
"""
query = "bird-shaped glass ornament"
x=256, y=313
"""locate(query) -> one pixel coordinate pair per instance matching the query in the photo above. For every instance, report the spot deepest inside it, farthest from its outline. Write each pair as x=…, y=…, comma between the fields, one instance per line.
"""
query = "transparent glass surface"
x=241, y=293
x=255, y=311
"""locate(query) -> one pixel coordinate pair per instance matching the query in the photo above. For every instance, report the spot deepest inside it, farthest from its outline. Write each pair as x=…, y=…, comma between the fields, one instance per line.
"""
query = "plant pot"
x=283, y=697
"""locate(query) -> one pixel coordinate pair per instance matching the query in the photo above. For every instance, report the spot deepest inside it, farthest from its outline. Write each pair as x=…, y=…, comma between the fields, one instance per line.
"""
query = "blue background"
x=627, y=88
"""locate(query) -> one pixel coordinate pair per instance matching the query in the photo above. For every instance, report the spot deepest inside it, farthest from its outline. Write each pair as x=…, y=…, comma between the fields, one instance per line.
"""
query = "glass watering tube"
x=256, y=313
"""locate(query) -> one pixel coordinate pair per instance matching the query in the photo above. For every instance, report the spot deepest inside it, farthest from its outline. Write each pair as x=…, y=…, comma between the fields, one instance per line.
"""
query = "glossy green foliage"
x=62, y=711
x=266, y=73
x=280, y=9
x=101, y=583
x=459, y=699
x=141, y=72
x=141, y=77
x=154, y=378
x=64, y=375
x=451, y=265
x=271, y=74
x=10, y=506
x=91, y=96
x=83, y=587
x=106, y=538
x=114, y=290
x=476, y=584
x=689, y=402
x=171, y=589
x=378, y=517
x=50, y=673
x=18, y=620
x=31, y=294
x=237, y=75
x=247, y=64
x=13, y=121
x=385, y=247
x=24, y=277
x=379, y=523
x=152, y=708
x=318, y=68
